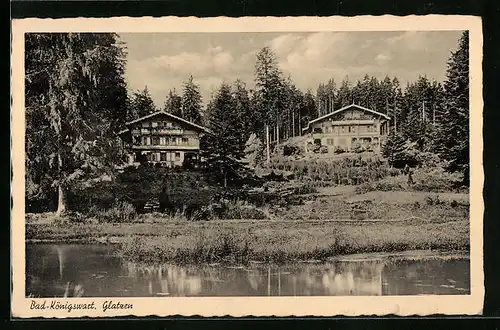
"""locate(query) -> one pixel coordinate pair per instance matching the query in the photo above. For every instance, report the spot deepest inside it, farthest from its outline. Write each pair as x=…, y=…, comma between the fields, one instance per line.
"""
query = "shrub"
x=119, y=212
x=436, y=180
x=339, y=150
x=388, y=184
x=428, y=159
x=399, y=151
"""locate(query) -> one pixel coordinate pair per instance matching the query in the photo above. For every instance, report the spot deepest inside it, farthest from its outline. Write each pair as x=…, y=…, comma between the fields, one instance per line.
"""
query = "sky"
x=163, y=61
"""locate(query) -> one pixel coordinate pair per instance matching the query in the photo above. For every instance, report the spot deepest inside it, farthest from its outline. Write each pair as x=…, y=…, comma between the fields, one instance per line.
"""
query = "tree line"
x=77, y=100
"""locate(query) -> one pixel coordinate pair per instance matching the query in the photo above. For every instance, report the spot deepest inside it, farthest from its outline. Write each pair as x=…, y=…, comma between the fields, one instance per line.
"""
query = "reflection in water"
x=95, y=270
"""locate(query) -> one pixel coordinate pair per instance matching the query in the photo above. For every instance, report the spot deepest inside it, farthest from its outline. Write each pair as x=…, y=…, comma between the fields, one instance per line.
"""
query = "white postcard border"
x=252, y=306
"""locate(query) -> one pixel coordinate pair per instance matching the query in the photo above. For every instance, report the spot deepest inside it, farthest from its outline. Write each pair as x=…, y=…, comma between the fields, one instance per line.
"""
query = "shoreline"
x=242, y=242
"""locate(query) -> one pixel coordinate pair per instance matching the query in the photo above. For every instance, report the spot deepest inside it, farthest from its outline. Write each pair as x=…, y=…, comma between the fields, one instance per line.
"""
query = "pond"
x=57, y=270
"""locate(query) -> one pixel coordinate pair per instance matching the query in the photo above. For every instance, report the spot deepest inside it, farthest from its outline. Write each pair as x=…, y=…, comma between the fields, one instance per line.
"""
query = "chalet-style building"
x=161, y=138
x=350, y=128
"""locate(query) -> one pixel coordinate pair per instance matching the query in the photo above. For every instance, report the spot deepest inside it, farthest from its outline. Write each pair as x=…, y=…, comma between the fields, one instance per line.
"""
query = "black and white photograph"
x=268, y=164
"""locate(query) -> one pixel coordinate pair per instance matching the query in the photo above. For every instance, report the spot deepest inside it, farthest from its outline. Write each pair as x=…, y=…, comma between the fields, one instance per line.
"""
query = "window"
x=177, y=156
x=154, y=124
x=329, y=142
x=163, y=140
x=342, y=129
x=156, y=140
x=163, y=156
x=317, y=130
x=353, y=129
x=185, y=140
x=137, y=140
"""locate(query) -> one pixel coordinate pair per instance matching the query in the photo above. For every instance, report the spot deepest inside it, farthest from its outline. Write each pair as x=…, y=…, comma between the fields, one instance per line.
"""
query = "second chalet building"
x=162, y=138
x=348, y=128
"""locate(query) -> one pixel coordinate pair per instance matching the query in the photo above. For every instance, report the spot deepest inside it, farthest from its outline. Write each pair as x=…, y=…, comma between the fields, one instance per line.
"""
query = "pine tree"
x=254, y=151
x=75, y=102
x=399, y=151
x=454, y=126
x=141, y=104
x=191, y=102
x=307, y=110
x=242, y=110
x=173, y=104
x=321, y=100
x=344, y=96
x=270, y=93
x=395, y=106
x=331, y=93
x=223, y=149
x=385, y=99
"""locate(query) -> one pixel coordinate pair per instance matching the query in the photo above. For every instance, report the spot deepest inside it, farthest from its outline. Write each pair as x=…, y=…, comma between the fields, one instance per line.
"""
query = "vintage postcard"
x=256, y=166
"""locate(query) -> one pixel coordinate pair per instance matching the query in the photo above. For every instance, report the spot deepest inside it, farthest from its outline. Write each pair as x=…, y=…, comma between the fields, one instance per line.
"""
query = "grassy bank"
x=323, y=223
x=277, y=241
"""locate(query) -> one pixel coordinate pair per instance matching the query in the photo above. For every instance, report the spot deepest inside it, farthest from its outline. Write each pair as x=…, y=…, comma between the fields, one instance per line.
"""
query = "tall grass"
x=241, y=244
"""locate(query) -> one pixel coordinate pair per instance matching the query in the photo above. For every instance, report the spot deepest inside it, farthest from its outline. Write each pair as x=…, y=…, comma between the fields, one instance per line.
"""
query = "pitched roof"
x=347, y=107
x=168, y=115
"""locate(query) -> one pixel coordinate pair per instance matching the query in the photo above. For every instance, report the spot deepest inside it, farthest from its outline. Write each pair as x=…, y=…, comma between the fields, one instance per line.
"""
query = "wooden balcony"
x=353, y=122
x=166, y=147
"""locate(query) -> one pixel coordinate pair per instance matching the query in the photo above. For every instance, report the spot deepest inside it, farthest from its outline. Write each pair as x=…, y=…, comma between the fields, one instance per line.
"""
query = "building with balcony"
x=350, y=128
x=161, y=138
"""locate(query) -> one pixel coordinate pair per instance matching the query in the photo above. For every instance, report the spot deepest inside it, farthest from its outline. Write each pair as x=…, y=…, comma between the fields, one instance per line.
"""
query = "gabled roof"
x=161, y=112
x=347, y=107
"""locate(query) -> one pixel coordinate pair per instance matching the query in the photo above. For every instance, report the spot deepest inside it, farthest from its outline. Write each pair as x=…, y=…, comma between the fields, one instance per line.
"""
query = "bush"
x=428, y=159
x=436, y=180
x=339, y=150
x=400, y=152
x=119, y=212
x=357, y=148
x=388, y=184
x=348, y=170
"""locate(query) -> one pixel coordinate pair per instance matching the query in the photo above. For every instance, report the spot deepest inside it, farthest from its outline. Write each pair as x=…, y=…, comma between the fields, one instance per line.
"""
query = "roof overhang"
x=344, y=109
x=175, y=118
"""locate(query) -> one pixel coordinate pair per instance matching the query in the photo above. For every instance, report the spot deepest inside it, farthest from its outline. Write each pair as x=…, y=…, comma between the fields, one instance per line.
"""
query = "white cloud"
x=282, y=45
x=191, y=62
x=382, y=57
x=222, y=60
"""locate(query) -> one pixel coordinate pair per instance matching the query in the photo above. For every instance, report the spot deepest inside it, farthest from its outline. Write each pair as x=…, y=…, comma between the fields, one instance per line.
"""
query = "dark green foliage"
x=254, y=151
x=344, y=171
x=454, y=125
x=141, y=104
x=224, y=148
x=245, y=116
x=399, y=151
x=173, y=104
x=75, y=103
x=191, y=102
x=307, y=110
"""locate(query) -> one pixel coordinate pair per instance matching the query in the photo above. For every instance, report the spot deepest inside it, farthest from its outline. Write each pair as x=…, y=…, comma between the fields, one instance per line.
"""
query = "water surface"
x=56, y=270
